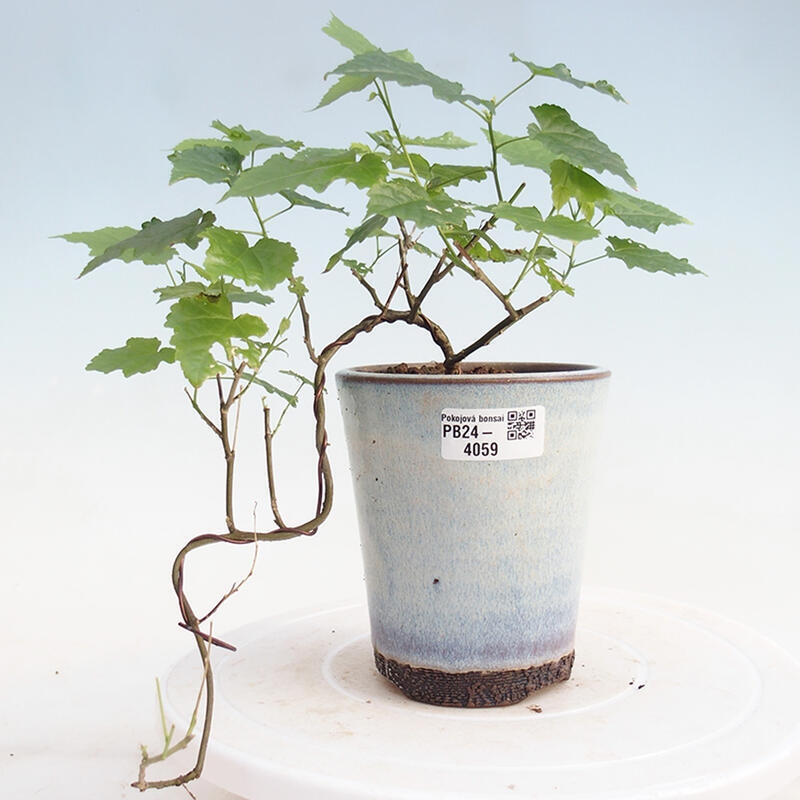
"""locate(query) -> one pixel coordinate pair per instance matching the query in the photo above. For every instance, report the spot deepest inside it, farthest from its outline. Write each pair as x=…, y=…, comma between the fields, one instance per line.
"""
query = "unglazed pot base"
x=475, y=688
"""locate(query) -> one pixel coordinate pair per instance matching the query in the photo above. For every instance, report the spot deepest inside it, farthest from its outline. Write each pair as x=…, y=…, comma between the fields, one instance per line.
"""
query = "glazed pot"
x=471, y=493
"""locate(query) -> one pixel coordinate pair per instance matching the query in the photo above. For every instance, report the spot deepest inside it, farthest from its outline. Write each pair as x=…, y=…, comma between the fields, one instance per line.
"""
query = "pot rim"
x=518, y=372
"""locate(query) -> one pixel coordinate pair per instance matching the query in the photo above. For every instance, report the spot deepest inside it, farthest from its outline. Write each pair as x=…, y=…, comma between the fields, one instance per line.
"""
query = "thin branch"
x=496, y=330
x=276, y=514
x=196, y=407
x=481, y=276
x=207, y=636
x=443, y=268
x=142, y=784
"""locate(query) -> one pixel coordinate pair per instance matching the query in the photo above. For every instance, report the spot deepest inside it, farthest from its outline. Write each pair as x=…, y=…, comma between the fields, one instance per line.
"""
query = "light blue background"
x=102, y=479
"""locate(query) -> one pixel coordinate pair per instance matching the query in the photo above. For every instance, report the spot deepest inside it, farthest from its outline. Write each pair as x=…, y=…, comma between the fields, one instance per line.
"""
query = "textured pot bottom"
x=475, y=689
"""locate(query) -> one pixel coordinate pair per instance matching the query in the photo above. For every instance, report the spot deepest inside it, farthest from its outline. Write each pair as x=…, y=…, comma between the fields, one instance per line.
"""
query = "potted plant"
x=470, y=476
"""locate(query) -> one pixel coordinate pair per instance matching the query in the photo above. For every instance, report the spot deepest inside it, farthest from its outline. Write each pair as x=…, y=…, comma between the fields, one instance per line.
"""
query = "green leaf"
x=554, y=281
x=136, y=356
x=252, y=351
x=348, y=84
x=284, y=325
x=100, y=240
x=447, y=141
x=358, y=44
x=421, y=166
x=524, y=151
x=243, y=141
x=562, y=73
x=369, y=227
x=567, y=140
x=199, y=324
x=568, y=182
x=195, y=288
x=314, y=167
x=302, y=378
x=186, y=289
x=247, y=141
x=105, y=238
x=297, y=199
x=410, y=201
x=638, y=213
x=217, y=164
x=529, y=218
x=384, y=139
x=153, y=244
x=473, y=241
x=239, y=296
x=356, y=266
x=348, y=37
x=397, y=68
x=636, y=255
x=297, y=287
x=452, y=174
x=266, y=264
x=291, y=399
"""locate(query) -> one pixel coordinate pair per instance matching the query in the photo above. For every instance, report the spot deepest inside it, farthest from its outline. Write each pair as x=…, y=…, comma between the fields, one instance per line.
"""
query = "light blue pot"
x=472, y=541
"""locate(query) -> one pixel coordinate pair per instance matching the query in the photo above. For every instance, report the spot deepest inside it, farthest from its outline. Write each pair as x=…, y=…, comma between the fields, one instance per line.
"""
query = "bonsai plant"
x=237, y=302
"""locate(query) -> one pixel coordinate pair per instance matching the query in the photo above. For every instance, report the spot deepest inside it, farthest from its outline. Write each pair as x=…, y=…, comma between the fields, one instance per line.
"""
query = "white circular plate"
x=665, y=701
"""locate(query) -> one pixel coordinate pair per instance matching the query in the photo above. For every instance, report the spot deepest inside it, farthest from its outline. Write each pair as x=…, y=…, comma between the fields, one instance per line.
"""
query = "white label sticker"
x=492, y=434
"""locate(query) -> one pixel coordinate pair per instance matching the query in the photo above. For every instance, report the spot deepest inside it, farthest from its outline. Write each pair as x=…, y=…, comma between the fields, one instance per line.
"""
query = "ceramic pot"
x=471, y=493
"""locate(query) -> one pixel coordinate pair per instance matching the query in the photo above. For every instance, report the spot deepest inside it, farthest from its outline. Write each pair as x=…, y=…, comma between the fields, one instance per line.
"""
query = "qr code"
x=520, y=423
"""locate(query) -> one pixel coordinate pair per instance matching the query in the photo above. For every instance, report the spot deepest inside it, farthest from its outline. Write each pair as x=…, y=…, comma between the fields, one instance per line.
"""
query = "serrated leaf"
x=420, y=247
x=384, y=139
x=524, y=151
x=239, y=296
x=316, y=168
x=100, y=240
x=186, y=289
x=452, y=174
x=562, y=73
x=243, y=141
x=154, y=242
x=201, y=323
x=554, y=281
x=193, y=288
x=638, y=213
x=251, y=351
x=410, y=201
x=356, y=266
x=473, y=242
x=217, y=164
x=271, y=388
x=136, y=356
x=400, y=162
x=297, y=199
x=302, y=378
x=568, y=182
x=529, y=218
x=348, y=84
x=637, y=255
x=567, y=140
x=347, y=36
x=447, y=141
x=369, y=227
x=247, y=141
x=396, y=68
x=297, y=287
x=266, y=264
